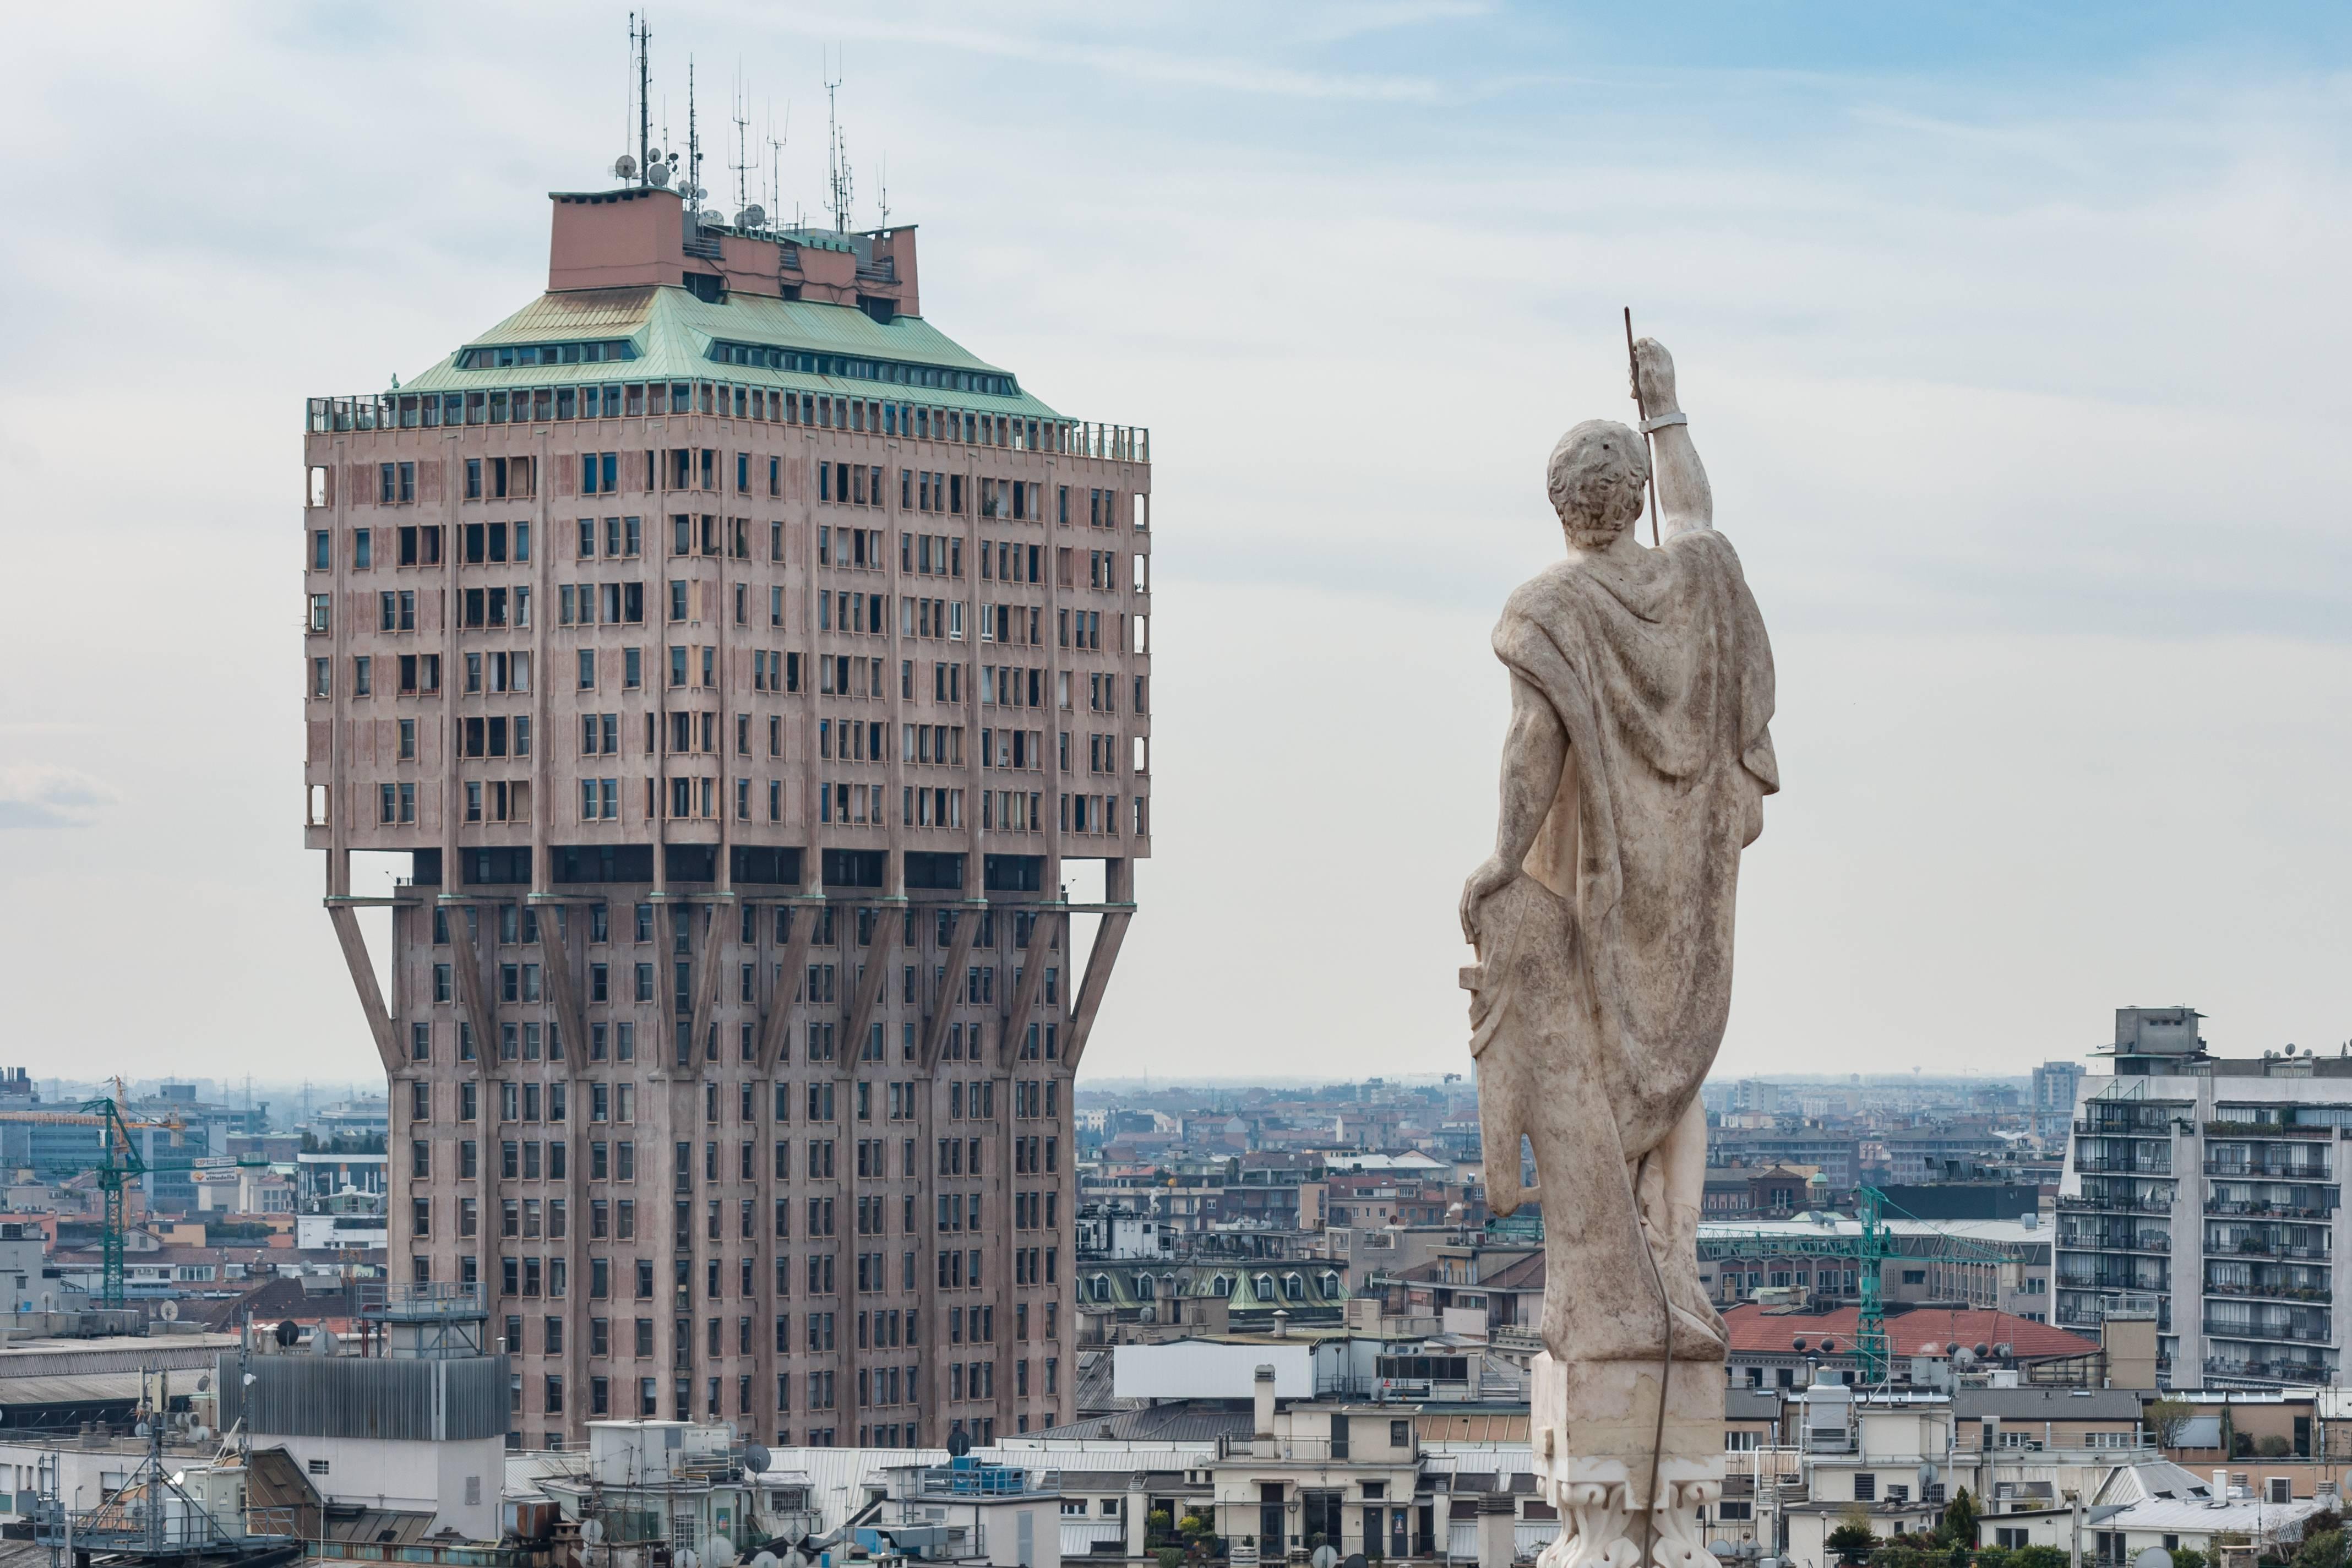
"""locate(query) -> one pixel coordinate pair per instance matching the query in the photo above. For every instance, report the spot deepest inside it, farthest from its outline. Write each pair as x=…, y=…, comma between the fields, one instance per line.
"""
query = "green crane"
x=120, y=1164
x=120, y=1161
x=1867, y=1250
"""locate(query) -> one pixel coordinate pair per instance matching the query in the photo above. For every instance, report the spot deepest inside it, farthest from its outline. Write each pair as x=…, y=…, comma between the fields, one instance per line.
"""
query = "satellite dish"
x=624, y=166
x=1325, y=1557
x=958, y=1443
x=657, y=172
x=1797, y=1343
x=48, y=1301
x=751, y=217
x=205, y=1382
x=756, y=1459
x=140, y=1430
x=2148, y=1556
x=286, y=1333
x=1721, y=1549
x=722, y=1554
x=766, y=1560
x=712, y=217
x=200, y=1434
x=1829, y=1345
x=686, y=1557
x=323, y=1341
x=1980, y=1351
x=169, y=1311
x=1951, y=1347
x=592, y=1530
x=1355, y=1560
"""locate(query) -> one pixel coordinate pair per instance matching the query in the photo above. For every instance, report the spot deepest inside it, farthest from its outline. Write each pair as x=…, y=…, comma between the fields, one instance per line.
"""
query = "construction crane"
x=1868, y=1250
x=120, y=1163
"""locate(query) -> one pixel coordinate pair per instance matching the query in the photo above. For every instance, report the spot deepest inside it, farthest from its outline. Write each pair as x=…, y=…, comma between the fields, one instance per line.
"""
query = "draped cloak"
x=1605, y=968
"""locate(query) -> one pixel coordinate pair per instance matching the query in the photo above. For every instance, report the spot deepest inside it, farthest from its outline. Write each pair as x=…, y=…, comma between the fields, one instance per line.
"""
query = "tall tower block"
x=737, y=661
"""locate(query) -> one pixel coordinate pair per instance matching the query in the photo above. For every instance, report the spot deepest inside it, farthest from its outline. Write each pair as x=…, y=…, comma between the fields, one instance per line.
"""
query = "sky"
x=2008, y=334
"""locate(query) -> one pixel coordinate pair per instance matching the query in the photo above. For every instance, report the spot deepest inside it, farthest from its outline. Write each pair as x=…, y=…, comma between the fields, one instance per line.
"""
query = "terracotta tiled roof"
x=1757, y=1332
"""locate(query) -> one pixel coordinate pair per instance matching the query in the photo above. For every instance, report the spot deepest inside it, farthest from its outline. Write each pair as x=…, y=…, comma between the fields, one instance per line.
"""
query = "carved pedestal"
x=1592, y=1426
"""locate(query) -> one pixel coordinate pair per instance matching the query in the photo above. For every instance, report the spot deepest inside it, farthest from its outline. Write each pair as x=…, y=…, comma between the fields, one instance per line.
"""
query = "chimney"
x=1497, y=1531
x=1264, y=1390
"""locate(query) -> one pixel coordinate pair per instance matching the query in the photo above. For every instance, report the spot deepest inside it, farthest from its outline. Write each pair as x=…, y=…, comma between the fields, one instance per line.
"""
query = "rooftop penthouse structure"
x=738, y=662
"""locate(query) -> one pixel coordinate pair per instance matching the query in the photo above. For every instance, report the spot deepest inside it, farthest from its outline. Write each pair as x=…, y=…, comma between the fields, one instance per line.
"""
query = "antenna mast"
x=882, y=200
x=839, y=175
x=645, y=96
x=693, y=141
x=776, y=161
x=742, y=156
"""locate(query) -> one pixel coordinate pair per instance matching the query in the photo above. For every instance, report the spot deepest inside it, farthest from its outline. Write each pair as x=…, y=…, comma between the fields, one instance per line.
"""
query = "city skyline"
x=1948, y=248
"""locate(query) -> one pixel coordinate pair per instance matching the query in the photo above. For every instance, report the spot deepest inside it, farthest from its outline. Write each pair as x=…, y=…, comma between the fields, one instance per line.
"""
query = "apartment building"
x=2210, y=1186
x=739, y=664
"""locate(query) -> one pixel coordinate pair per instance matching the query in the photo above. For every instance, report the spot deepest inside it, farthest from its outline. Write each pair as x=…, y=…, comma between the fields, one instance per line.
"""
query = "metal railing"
x=2295, y=1372
x=2157, y=1163
x=2288, y=1334
x=436, y=410
x=2265, y=1131
x=2319, y=1294
x=417, y=1302
x=2091, y=1202
x=2257, y=1208
x=1233, y=1445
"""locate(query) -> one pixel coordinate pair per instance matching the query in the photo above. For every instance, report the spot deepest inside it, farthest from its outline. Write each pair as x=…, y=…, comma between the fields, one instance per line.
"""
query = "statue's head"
x=1595, y=479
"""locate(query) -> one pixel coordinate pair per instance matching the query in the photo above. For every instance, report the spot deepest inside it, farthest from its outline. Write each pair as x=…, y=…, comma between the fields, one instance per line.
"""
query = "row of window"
x=690, y=799
x=531, y=1159
x=514, y=923
x=696, y=469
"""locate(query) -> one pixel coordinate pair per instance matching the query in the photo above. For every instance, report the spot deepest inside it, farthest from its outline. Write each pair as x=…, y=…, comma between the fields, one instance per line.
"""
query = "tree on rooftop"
x=2169, y=1420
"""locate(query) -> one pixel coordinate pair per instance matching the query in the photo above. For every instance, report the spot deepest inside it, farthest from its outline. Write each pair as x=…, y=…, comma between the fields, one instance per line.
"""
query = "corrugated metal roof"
x=673, y=331
x=90, y=1388
x=2046, y=1403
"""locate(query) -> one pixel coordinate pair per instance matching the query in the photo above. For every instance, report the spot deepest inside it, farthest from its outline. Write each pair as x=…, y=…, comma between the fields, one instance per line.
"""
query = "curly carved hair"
x=1595, y=478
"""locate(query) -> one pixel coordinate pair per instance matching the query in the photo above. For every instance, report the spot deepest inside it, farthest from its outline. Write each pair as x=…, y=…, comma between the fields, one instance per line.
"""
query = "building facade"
x=2210, y=1187
x=2056, y=1086
x=739, y=664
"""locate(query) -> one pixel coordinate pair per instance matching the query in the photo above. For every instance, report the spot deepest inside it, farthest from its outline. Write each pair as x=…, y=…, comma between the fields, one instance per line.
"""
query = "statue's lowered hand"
x=1487, y=880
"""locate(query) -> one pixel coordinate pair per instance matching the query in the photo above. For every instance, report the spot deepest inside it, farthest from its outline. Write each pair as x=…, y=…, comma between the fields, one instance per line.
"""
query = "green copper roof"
x=672, y=332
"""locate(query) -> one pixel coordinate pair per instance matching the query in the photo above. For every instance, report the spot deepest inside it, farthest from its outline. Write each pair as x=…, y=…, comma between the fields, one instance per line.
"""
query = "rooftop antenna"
x=883, y=199
x=693, y=141
x=644, y=96
x=776, y=160
x=838, y=176
x=743, y=164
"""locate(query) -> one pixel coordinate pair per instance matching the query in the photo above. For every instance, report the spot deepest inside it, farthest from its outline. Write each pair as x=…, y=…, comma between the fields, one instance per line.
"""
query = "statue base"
x=1593, y=1427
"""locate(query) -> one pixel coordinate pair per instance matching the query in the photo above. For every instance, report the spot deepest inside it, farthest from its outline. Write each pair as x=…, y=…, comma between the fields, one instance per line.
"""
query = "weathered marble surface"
x=1633, y=775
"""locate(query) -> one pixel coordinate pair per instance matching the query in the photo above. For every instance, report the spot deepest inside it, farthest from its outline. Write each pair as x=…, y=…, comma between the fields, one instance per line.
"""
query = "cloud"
x=37, y=794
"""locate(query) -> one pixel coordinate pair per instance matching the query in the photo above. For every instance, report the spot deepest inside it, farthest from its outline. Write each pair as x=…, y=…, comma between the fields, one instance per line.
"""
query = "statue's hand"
x=1484, y=882
x=1653, y=377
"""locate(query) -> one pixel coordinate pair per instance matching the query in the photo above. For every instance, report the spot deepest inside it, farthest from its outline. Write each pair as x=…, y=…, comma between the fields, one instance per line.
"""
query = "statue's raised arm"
x=1684, y=501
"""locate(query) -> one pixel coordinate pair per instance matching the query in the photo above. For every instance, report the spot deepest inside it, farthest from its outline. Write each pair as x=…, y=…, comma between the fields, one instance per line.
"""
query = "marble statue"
x=1633, y=775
